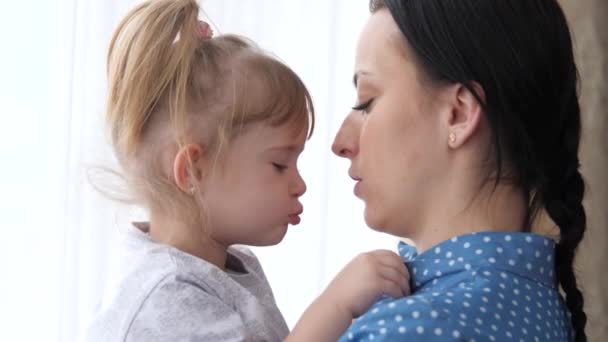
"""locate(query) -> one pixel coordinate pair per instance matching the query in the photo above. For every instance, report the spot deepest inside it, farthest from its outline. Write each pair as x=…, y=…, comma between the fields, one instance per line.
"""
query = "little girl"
x=208, y=131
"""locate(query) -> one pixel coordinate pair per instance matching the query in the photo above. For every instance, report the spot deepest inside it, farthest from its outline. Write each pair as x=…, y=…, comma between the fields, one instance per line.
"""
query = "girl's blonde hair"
x=168, y=86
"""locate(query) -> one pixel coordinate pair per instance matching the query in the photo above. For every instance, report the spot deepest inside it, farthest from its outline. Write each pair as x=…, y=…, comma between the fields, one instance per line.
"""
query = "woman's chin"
x=380, y=222
x=374, y=220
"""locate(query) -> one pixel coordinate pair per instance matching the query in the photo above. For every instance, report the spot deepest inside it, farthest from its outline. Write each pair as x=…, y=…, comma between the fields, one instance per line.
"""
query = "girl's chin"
x=271, y=238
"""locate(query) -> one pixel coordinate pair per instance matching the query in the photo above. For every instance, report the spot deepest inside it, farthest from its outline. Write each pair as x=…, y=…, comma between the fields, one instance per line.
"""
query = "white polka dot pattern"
x=477, y=287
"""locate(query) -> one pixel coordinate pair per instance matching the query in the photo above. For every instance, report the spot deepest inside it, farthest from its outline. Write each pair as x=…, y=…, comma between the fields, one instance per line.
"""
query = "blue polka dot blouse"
x=477, y=287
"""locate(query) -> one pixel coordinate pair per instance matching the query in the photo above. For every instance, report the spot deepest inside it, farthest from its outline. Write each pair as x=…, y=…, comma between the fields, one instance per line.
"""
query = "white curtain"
x=60, y=236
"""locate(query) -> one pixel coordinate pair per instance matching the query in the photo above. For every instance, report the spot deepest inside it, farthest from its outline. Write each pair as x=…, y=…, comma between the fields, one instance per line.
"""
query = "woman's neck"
x=501, y=209
x=188, y=238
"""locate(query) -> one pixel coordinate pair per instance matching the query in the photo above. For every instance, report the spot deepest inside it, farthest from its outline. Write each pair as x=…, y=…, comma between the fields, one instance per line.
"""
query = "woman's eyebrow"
x=357, y=75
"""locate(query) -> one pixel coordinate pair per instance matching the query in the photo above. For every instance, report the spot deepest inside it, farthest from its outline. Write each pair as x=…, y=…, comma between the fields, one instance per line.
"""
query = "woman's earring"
x=192, y=190
x=452, y=137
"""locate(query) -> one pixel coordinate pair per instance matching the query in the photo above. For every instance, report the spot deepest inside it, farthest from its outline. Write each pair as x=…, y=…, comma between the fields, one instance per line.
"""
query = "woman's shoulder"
x=420, y=316
x=488, y=306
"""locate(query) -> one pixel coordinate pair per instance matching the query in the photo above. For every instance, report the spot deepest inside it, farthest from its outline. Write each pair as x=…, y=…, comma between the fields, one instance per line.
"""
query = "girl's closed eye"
x=279, y=167
x=364, y=107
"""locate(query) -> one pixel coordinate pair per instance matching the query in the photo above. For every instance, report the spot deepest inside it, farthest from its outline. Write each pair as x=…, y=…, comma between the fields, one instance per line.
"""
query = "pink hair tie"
x=204, y=30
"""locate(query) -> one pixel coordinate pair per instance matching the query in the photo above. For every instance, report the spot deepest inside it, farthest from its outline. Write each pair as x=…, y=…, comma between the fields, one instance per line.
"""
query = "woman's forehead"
x=381, y=48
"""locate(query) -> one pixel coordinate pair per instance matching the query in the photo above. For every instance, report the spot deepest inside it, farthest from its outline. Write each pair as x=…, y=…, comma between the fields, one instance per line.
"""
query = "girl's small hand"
x=366, y=278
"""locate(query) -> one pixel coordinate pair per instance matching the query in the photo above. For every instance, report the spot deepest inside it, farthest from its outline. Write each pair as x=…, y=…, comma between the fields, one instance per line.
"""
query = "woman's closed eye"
x=364, y=107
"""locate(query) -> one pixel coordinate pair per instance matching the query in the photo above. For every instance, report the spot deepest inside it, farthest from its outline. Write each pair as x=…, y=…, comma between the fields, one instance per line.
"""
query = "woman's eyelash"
x=363, y=106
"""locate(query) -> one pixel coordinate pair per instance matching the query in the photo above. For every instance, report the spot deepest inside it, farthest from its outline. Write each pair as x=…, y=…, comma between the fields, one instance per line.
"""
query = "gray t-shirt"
x=169, y=295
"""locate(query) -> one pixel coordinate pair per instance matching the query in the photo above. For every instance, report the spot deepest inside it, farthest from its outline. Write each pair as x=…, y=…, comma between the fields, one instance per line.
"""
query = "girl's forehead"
x=269, y=136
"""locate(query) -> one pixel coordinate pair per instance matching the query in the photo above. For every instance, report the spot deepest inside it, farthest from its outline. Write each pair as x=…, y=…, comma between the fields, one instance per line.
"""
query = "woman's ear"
x=465, y=116
x=188, y=167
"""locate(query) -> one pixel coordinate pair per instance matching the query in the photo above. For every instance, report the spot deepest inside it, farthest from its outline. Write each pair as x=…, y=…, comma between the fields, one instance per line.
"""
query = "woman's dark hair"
x=520, y=53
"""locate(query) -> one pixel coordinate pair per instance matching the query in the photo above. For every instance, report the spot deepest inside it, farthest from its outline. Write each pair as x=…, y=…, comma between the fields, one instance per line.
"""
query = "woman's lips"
x=357, y=189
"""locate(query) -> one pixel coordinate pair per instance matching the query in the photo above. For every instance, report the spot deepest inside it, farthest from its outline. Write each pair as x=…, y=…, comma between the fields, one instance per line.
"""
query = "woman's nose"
x=346, y=142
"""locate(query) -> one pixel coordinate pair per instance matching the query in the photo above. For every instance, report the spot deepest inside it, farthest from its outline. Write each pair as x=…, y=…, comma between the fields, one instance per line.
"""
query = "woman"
x=466, y=128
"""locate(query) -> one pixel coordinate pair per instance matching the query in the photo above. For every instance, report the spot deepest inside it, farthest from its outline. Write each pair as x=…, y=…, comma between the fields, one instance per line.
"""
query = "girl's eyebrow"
x=288, y=148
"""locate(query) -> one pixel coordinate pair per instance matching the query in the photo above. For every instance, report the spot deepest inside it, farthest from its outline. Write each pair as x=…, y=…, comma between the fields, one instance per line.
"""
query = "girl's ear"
x=188, y=167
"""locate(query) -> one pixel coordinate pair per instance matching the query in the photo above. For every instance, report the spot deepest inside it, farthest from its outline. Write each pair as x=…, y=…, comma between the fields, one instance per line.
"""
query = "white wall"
x=59, y=236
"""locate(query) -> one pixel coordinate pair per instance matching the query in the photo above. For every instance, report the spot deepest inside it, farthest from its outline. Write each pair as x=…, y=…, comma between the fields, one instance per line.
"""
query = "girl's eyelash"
x=279, y=167
x=363, y=106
